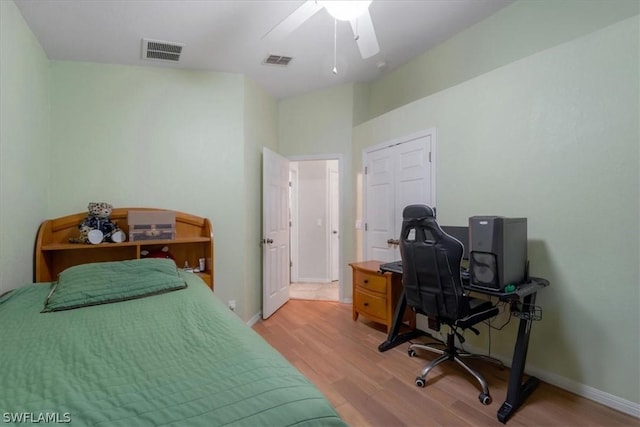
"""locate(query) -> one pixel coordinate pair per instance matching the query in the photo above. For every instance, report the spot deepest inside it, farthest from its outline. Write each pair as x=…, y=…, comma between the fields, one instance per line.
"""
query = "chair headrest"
x=417, y=211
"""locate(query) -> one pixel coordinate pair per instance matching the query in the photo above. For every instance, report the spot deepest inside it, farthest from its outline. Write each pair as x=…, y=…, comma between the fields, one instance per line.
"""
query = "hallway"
x=315, y=291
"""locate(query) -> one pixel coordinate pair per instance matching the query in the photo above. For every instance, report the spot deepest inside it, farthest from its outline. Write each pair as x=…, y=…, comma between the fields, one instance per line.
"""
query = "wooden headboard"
x=54, y=253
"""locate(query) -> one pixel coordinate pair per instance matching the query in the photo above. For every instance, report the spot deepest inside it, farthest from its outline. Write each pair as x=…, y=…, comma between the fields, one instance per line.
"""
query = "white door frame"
x=333, y=214
x=293, y=206
x=340, y=158
x=396, y=141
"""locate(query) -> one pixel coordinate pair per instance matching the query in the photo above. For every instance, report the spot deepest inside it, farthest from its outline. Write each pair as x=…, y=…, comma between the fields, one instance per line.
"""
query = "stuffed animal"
x=97, y=226
x=83, y=237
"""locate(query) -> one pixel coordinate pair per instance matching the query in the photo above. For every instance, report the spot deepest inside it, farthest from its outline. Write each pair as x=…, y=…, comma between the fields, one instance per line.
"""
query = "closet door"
x=379, y=204
x=396, y=175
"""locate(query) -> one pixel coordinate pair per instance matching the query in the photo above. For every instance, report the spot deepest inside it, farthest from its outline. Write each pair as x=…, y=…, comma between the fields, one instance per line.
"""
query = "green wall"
x=260, y=127
x=552, y=137
x=153, y=137
x=132, y=136
x=514, y=32
x=317, y=124
x=24, y=146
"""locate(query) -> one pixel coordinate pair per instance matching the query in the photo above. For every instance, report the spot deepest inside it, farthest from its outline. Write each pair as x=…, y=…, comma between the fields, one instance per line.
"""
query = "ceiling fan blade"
x=293, y=21
x=365, y=35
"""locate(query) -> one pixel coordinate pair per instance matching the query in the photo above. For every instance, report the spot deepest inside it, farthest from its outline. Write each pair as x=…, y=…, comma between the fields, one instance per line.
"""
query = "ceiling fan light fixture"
x=345, y=10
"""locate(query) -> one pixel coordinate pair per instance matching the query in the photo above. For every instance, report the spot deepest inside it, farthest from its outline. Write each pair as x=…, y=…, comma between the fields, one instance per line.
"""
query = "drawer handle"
x=366, y=281
x=366, y=304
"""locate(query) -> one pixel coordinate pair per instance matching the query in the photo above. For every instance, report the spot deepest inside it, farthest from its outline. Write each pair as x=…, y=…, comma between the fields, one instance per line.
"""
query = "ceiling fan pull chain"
x=335, y=44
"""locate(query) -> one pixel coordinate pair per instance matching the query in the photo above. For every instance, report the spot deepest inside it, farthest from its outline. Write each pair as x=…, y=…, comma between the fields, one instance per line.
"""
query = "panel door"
x=412, y=183
x=397, y=175
x=275, y=225
x=380, y=202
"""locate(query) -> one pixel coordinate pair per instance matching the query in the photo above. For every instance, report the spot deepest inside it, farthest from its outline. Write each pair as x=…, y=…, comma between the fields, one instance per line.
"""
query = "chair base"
x=452, y=353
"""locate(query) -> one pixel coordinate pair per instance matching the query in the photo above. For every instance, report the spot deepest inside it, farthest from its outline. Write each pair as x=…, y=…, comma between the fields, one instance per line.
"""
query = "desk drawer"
x=371, y=281
x=370, y=305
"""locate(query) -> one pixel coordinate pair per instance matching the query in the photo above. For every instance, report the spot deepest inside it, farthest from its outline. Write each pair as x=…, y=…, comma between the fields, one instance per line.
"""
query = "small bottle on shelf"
x=186, y=267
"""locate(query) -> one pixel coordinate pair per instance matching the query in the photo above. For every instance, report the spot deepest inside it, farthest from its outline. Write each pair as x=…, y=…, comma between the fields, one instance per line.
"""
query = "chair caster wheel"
x=420, y=382
x=411, y=352
x=485, y=399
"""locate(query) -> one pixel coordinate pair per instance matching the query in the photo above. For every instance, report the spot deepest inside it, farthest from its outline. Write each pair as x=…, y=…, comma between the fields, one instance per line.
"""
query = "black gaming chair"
x=433, y=287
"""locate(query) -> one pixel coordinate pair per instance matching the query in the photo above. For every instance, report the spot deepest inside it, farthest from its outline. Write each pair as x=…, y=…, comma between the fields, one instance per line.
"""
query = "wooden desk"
x=376, y=294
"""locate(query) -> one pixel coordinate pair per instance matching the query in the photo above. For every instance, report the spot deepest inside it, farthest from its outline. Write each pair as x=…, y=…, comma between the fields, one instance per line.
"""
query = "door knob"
x=390, y=242
x=268, y=241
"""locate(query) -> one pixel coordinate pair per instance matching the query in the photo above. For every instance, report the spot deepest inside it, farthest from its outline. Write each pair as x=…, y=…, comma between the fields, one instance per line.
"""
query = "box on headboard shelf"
x=151, y=225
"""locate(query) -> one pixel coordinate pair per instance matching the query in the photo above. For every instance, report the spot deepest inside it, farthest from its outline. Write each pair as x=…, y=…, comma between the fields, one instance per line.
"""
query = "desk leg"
x=518, y=392
x=394, y=338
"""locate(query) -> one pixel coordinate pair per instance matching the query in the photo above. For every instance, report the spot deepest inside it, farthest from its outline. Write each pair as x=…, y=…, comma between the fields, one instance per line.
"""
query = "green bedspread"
x=180, y=358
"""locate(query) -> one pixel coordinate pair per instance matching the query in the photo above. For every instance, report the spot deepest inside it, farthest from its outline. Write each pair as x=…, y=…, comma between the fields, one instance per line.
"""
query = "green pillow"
x=107, y=282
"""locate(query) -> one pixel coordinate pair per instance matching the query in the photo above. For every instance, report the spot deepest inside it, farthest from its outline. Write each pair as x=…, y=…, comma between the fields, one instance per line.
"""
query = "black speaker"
x=497, y=251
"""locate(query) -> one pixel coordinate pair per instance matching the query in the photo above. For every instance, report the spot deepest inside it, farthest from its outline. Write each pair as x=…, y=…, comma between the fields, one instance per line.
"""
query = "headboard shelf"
x=54, y=253
x=101, y=246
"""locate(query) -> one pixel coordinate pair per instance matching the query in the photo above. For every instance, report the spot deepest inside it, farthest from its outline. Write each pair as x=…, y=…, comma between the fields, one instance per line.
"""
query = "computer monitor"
x=461, y=233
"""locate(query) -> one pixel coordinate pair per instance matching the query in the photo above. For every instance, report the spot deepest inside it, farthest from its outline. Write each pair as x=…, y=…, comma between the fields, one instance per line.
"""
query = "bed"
x=140, y=342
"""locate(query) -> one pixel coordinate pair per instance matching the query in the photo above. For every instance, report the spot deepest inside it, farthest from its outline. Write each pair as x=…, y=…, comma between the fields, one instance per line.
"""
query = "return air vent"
x=159, y=50
x=278, y=60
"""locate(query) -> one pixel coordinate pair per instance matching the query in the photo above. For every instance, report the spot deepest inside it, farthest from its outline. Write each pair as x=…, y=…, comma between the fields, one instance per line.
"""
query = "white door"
x=275, y=226
x=412, y=177
x=397, y=175
x=379, y=208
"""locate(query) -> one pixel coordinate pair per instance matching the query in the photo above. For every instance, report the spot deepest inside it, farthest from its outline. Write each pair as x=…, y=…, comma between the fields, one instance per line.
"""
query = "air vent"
x=278, y=60
x=159, y=50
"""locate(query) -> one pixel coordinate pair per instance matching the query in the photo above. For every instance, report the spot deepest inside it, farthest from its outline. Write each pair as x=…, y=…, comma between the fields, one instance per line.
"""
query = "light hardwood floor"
x=369, y=388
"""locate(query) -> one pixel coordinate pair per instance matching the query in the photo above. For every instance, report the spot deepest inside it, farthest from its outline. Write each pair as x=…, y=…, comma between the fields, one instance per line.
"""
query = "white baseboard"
x=582, y=390
x=588, y=392
x=313, y=280
x=255, y=319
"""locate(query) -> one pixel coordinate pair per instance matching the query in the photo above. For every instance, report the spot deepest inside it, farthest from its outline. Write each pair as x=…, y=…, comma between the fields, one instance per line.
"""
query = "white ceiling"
x=227, y=35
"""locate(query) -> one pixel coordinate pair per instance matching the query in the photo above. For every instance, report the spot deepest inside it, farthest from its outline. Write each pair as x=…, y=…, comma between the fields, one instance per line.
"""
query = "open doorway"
x=315, y=232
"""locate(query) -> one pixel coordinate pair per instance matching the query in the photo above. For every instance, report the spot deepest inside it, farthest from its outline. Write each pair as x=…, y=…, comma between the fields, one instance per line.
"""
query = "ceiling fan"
x=356, y=12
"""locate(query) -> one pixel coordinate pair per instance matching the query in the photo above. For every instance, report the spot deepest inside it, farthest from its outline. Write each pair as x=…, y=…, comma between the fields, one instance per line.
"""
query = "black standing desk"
x=522, y=303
